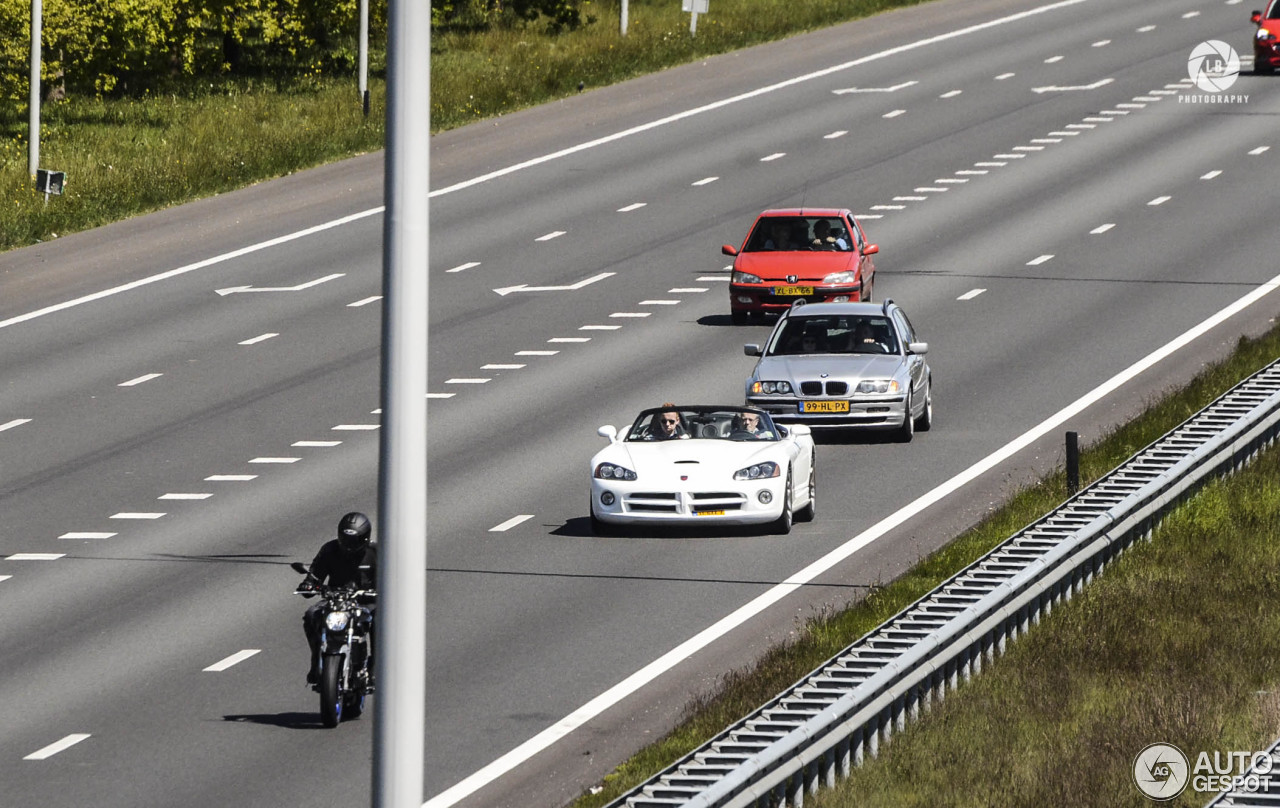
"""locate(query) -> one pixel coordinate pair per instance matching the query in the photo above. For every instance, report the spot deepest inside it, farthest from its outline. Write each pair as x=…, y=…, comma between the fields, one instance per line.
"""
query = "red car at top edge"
x=818, y=254
x=1266, y=47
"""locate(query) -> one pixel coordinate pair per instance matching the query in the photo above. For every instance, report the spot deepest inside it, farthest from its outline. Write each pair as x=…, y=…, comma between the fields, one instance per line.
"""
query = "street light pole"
x=364, y=56
x=33, y=145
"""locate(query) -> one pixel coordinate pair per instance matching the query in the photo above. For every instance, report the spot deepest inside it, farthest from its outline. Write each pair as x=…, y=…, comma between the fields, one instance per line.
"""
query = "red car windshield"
x=791, y=233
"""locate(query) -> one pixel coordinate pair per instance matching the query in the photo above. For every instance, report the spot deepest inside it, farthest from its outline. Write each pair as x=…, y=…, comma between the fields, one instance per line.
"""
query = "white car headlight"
x=336, y=621
x=744, y=277
x=759, y=471
x=1264, y=35
x=771, y=388
x=609, y=471
x=840, y=277
x=878, y=386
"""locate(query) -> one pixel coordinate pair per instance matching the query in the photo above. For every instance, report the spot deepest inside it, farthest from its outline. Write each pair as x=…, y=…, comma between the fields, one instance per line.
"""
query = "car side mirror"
x=871, y=249
x=800, y=430
x=729, y=249
x=920, y=348
x=608, y=431
x=1256, y=18
x=751, y=349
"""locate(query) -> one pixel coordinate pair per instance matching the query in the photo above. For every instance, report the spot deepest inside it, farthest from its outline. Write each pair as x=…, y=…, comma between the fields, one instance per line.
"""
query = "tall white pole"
x=624, y=17
x=33, y=146
x=693, y=21
x=400, y=703
x=364, y=56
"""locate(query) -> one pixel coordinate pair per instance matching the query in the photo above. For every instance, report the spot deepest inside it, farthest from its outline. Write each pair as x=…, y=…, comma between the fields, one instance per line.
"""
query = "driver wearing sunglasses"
x=667, y=425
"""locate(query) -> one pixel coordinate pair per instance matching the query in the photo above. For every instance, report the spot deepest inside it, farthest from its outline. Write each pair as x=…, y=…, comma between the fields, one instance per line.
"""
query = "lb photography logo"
x=1214, y=67
x=1162, y=772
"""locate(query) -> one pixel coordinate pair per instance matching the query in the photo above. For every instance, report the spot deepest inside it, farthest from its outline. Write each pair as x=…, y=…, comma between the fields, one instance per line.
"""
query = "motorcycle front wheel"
x=331, y=697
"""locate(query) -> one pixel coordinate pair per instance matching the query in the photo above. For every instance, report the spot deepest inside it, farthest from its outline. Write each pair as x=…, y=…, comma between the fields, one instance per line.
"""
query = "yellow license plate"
x=794, y=290
x=824, y=406
x=708, y=513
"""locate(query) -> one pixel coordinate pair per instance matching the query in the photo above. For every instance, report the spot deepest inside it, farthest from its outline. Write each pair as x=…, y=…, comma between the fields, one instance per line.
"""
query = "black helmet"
x=353, y=532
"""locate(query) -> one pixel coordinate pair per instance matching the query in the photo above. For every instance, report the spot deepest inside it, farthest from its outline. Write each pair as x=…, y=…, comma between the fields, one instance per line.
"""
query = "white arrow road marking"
x=892, y=89
x=57, y=746
x=1056, y=89
x=506, y=290
x=298, y=288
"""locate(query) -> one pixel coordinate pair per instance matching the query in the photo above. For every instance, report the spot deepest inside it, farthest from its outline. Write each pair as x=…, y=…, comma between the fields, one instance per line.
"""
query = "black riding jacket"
x=345, y=569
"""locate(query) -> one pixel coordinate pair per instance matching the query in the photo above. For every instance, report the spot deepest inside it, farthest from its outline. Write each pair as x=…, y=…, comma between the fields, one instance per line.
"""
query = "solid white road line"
x=684, y=650
x=510, y=523
x=58, y=746
x=234, y=659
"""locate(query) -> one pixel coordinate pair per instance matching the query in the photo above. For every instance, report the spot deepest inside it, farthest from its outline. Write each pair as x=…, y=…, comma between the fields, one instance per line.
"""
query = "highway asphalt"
x=1061, y=212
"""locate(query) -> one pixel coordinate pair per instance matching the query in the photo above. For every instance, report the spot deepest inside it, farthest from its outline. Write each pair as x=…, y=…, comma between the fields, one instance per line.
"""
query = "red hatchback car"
x=1266, y=47
x=819, y=254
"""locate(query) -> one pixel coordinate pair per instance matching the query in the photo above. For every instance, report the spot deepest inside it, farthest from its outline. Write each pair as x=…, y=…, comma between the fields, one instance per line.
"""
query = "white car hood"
x=849, y=367
x=702, y=462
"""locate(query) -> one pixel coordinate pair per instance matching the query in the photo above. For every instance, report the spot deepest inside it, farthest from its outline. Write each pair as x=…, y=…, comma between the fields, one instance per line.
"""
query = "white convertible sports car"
x=703, y=465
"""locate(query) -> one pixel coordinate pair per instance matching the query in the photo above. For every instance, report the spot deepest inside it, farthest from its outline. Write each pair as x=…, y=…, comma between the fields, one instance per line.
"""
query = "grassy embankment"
x=130, y=156
x=1178, y=642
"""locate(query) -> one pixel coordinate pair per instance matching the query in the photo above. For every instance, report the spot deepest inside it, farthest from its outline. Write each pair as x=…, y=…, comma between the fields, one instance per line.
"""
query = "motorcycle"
x=346, y=651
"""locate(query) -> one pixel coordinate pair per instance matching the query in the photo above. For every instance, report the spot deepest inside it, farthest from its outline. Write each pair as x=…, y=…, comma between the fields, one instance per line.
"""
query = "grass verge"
x=1209, y=705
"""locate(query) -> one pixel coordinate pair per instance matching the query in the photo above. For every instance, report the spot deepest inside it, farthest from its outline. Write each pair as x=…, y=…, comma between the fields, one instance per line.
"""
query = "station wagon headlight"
x=840, y=277
x=878, y=386
x=759, y=471
x=771, y=388
x=336, y=621
x=609, y=471
x=744, y=277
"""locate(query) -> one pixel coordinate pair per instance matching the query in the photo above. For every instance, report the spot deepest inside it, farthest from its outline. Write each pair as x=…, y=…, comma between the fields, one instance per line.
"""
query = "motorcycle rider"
x=349, y=560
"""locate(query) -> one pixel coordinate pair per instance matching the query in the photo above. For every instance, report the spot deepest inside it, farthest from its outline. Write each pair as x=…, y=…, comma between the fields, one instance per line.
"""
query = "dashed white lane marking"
x=512, y=366
x=1102, y=228
x=1259, y=150
x=1146, y=29
x=892, y=89
x=977, y=172
x=1009, y=156
x=1028, y=148
x=1037, y=261
x=1045, y=140
x=1096, y=119
x=230, y=478
x=316, y=444
x=895, y=113
x=952, y=180
x=35, y=556
x=1116, y=111
x=510, y=523
x=1063, y=134
x=706, y=180
x=931, y=190
x=148, y=377
x=888, y=207
x=14, y=423
x=467, y=381
x=1211, y=174
x=234, y=659
x=366, y=301
x=464, y=267
x=836, y=134
x=1159, y=200
x=136, y=515
x=1004, y=76
x=189, y=496
x=1052, y=59
x=1101, y=43
x=1149, y=99
x=599, y=328
x=441, y=395
x=1190, y=14
x=275, y=460
x=1082, y=126
x=659, y=302
x=1131, y=105
x=970, y=295
x=259, y=338
x=871, y=216
x=551, y=235
x=569, y=339
x=713, y=278
x=631, y=207
x=5, y=577
x=910, y=198
x=58, y=746
x=86, y=534
x=687, y=290
x=630, y=314
x=536, y=353
x=951, y=93
x=770, y=158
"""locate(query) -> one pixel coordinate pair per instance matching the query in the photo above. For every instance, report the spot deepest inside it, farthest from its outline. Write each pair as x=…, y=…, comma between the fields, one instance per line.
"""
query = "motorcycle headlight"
x=609, y=471
x=759, y=471
x=744, y=277
x=877, y=386
x=770, y=388
x=337, y=621
x=840, y=277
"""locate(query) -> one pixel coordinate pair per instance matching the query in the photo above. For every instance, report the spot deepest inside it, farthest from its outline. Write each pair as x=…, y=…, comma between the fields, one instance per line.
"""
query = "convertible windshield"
x=699, y=423
x=845, y=334
x=774, y=233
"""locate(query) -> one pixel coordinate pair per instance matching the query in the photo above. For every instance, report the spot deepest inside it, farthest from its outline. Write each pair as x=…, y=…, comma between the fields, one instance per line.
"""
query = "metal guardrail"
x=1257, y=788
x=840, y=713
